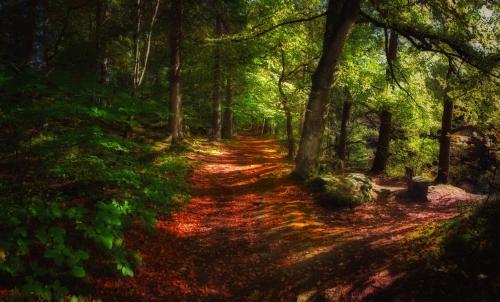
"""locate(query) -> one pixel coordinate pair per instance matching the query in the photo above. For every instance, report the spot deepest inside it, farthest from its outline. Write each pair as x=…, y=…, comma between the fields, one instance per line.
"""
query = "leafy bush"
x=72, y=183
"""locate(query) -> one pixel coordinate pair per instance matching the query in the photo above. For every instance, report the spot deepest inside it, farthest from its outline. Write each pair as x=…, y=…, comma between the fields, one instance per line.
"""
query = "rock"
x=418, y=188
x=342, y=191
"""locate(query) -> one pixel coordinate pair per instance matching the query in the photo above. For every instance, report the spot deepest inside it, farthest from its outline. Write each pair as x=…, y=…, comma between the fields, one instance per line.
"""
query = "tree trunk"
x=286, y=107
x=102, y=14
x=267, y=128
x=382, y=153
x=227, y=126
x=29, y=32
x=392, y=52
x=140, y=59
x=137, y=40
x=341, y=16
x=444, y=141
x=289, y=134
x=216, y=93
x=346, y=113
x=332, y=135
x=174, y=121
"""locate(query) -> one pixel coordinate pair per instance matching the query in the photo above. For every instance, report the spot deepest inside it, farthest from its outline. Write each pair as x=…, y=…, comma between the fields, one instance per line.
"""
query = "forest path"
x=251, y=233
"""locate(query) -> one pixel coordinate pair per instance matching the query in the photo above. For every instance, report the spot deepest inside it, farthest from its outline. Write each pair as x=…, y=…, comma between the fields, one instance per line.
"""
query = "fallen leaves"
x=245, y=238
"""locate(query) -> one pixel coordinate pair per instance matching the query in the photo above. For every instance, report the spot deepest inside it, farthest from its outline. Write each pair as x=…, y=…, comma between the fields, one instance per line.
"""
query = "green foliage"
x=73, y=183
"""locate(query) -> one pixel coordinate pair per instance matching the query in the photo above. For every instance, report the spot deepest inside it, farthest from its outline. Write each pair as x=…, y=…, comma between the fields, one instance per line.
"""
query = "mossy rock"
x=342, y=191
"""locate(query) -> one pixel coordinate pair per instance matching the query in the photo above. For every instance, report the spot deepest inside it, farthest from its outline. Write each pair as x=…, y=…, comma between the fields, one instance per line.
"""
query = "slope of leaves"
x=71, y=183
x=459, y=260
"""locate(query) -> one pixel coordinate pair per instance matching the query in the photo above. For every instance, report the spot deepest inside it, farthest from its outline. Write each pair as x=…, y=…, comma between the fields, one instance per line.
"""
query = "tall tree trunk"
x=267, y=128
x=140, y=59
x=391, y=53
x=174, y=121
x=346, y=114
x=382, y=152
x=217, y=74
x=102, y=14
x=444, y=141
x=227, y=125
x=286, y=107
x=384, y=133
x=341, y=16
x=137, y=40
x=289, y=134
x=29, y=31
x=332, y=134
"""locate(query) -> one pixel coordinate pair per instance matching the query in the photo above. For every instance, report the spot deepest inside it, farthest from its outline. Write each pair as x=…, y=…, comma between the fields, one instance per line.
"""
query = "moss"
x=342, y=191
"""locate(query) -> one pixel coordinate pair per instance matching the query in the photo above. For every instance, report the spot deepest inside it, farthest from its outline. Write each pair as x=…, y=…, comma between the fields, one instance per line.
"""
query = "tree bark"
x=217, y=74
x=346, y=114
x=137, y=40
x=227, y=126
x=382, y=153
x=29, y=32
x=141, y=60
x=174, y=121
x=391, y=53
x=102, y=14
x=444, y=141
x=286, y=108
x=289, y=134
x=341, y=16
x=267, y=128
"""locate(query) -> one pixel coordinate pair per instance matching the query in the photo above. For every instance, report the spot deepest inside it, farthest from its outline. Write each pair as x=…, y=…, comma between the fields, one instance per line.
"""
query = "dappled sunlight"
x=250, y=230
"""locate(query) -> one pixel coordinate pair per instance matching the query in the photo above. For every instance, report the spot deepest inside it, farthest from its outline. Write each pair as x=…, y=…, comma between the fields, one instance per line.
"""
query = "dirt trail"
x=251, y=233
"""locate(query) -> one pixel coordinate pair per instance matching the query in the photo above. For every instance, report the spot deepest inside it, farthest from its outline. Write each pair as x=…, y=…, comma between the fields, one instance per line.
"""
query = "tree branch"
x=276, y=26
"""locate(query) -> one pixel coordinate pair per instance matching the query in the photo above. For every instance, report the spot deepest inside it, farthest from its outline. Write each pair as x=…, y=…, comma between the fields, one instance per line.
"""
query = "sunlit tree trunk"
x=137, y=39
x=217, y=78
x=382, y=152
x=286, y=108
x=174, y=121
x=341, y=16
x=102, y=15
x=141, y=56
x=227, y=125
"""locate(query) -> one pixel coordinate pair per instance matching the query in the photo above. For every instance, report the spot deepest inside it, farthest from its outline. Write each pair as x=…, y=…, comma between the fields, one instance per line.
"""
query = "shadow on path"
x=251, y=233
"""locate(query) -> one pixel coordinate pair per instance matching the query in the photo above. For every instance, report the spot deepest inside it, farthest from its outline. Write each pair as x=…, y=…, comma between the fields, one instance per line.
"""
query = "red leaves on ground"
x=251, y=233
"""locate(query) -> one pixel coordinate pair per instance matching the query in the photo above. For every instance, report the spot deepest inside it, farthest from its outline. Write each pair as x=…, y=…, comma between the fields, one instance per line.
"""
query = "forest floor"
x=252, y=233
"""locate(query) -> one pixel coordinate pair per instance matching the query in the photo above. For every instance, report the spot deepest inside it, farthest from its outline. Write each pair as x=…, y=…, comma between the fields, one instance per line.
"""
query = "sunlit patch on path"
x=251, y=233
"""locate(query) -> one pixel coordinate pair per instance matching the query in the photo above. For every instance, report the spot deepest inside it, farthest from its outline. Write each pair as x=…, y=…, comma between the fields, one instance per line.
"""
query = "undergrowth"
x=458, y=260
x=72, y=179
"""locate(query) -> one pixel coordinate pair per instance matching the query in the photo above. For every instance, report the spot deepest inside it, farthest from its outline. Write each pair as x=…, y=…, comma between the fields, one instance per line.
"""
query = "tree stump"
x=418, y=188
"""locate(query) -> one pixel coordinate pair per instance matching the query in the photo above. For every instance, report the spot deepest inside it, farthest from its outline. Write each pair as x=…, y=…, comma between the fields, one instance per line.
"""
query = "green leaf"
x=78, y=271
x=107, y=240
x=125, y=269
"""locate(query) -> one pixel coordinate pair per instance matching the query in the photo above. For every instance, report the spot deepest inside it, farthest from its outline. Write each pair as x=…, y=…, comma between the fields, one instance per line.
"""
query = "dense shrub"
x=71, y=182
